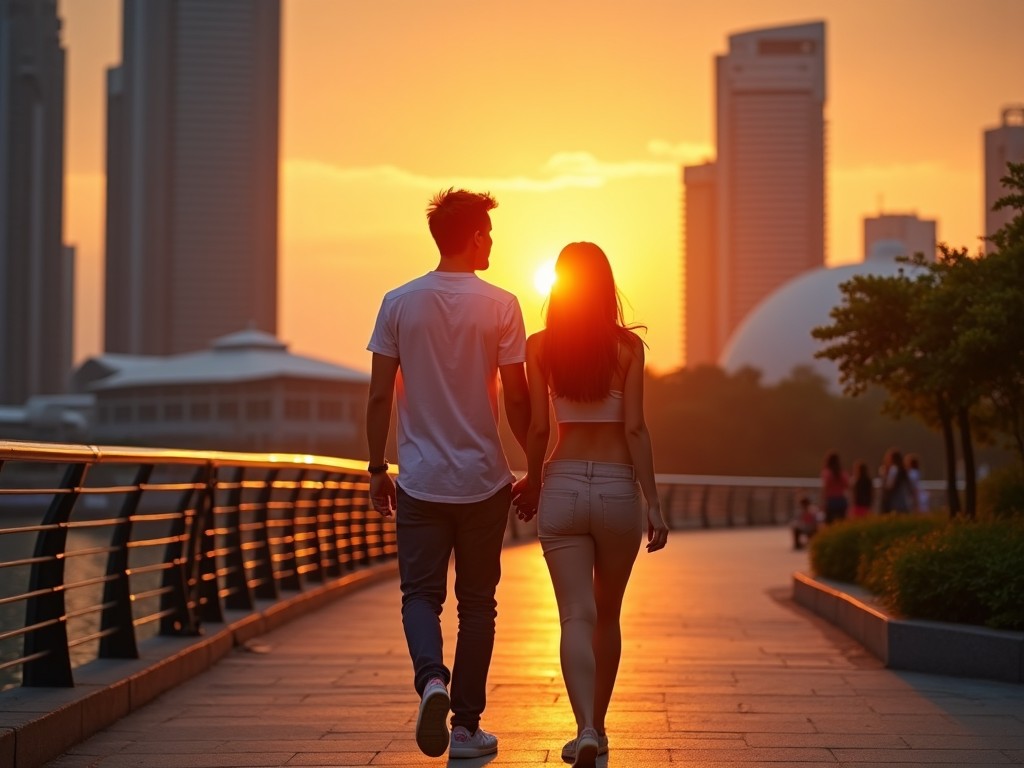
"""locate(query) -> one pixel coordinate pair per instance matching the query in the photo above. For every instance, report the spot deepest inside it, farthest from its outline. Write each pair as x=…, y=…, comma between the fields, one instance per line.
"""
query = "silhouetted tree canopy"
x=945, y=340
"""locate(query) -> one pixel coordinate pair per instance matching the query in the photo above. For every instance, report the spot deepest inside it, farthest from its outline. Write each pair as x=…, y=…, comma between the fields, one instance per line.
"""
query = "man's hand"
x=382, y=494
x=526, y=498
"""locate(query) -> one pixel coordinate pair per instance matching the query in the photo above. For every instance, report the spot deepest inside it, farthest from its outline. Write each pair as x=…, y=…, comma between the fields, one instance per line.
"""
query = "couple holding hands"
x=440, y=345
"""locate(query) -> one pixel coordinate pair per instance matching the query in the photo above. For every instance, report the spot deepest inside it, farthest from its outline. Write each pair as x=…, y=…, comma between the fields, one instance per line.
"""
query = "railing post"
x=238, y=595
x=181, y=614
x=666, y=504
x=263, y=565
x=316, y=572
x=117, y=593
x=341, y=515
x=46, y=646
x=327, y=555
x=705, y=521
x=204, y=551
x=292, y=580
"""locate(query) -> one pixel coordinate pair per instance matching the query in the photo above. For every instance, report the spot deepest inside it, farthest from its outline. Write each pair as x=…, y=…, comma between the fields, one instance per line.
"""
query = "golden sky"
x=577, y=115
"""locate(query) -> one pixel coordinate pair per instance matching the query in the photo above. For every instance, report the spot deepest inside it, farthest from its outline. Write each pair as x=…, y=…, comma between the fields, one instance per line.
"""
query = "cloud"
x=389, y=175
x=563, y=170
x=683, y=152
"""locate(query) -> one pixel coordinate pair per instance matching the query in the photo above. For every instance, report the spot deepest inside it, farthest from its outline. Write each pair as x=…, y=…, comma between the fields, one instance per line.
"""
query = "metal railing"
x=713, y=501
x=102, y=547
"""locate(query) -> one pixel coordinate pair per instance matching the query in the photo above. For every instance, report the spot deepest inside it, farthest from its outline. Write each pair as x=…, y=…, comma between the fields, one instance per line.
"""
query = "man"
x=444, y=339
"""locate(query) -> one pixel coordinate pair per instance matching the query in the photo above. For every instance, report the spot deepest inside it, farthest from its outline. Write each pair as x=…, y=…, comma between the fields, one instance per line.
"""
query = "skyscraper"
x=192, y=174
x=898, y=234
x=35, y=303
x=1003, y=145
x=700, y=268
x=769, y=174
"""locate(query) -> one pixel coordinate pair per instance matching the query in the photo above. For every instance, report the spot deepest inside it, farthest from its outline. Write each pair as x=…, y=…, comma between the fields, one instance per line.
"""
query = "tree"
x=874, y=338
x=946, y=344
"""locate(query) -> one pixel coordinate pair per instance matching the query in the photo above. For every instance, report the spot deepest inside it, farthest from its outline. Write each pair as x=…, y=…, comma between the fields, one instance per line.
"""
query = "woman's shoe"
x=586, y=749
x=569, y=750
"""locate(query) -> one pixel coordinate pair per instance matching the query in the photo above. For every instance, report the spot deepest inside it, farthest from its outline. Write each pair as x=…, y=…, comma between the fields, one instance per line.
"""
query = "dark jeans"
x=835, y=508
x=428, y=533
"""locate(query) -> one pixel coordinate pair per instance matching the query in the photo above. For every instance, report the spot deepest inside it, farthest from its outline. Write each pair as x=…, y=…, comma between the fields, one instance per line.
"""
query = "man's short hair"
x=455, y=215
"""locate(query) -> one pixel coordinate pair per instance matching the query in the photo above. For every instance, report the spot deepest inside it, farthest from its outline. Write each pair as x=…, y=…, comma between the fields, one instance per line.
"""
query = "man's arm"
x=383, y=371
x=517, y=400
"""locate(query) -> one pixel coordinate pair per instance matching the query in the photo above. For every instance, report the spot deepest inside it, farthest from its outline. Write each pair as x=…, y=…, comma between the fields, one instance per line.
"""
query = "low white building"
x=245, y=393
x=48, y=419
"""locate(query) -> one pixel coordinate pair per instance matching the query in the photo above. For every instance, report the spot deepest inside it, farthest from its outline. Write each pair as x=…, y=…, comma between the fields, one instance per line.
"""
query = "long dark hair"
x=584, y=325
x=833, y=464
x=895, y=459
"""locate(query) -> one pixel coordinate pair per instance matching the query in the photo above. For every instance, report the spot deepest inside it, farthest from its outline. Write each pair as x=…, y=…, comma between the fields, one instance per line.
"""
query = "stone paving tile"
x=924, y=756
x=240, y=760
x=941, y=741
x=827, y=740
x=719, y=670
x=777, y=755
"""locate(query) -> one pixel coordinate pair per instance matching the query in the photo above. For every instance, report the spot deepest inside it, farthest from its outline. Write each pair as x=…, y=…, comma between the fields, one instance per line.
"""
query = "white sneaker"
x=569, y=750
x=587, y=748
x=479, y=744
x=432, y=720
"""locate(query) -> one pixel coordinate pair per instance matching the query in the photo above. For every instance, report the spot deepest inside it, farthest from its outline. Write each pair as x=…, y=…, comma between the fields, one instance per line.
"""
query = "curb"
x=956, y=650
x=39, y=724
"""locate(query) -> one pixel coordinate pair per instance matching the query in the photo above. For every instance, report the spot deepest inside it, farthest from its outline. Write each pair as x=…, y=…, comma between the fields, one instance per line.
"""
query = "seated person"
x=805, y=522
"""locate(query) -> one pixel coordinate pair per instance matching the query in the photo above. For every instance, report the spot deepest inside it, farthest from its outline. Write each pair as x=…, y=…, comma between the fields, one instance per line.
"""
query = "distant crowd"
x=853, y=494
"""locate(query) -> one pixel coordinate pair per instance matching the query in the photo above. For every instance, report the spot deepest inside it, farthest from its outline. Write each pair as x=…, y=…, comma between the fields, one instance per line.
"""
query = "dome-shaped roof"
x=250, y=338
x=775, y=337
x=248, y=355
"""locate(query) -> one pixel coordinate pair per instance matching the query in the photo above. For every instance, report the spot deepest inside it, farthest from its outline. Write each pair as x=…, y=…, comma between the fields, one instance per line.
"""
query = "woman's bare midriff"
x=592, y=441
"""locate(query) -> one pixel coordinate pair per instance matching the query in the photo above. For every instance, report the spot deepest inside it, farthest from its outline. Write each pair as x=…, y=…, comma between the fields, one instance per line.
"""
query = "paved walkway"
x=719, y=669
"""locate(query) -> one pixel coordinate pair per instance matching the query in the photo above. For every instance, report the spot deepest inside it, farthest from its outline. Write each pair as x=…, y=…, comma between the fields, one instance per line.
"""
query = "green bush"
x=966, y=572
x=1001, y=494
x=846, y=551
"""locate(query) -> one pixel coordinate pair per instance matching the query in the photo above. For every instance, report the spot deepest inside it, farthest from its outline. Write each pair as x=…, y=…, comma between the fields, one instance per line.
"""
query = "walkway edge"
x=935, y=647
x=39, y=724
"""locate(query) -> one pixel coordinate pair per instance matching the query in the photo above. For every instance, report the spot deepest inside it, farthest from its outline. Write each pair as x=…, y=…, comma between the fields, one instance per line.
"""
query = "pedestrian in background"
x=835, y=483
x=863, y=490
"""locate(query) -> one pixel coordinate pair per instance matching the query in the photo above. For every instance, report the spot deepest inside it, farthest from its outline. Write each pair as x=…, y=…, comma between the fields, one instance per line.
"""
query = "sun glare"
x=544, y=278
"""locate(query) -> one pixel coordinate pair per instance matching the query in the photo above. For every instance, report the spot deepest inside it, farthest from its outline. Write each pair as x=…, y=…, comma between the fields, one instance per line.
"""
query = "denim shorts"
x=580, y=498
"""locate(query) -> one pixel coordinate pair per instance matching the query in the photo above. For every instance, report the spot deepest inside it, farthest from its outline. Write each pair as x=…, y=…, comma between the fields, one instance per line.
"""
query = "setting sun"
x=544, y=278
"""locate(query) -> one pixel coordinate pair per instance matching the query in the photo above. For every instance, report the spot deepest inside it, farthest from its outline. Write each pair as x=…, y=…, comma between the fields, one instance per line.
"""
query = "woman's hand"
x=657, y=530
x=526, y=497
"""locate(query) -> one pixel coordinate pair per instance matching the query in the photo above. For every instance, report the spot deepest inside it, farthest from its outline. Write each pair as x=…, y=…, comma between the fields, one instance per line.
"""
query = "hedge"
x=930, y=568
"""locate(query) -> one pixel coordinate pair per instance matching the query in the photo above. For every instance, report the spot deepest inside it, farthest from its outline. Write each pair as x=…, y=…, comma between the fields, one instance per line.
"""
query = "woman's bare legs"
x=571, y=563
x=590, y=580
x=614, y=560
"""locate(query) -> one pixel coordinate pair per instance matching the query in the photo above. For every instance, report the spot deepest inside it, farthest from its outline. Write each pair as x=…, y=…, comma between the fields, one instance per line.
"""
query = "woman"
x=863, y=490
x=897, y=491
x=834, y=485
x=590, y=519
x=918, y=494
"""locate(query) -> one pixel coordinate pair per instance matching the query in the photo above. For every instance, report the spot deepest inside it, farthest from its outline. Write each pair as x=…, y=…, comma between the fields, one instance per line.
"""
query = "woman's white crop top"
x=611, y=408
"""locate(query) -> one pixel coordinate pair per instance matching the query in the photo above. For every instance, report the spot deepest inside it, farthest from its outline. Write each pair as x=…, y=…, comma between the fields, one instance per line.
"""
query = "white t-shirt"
x=450, y=331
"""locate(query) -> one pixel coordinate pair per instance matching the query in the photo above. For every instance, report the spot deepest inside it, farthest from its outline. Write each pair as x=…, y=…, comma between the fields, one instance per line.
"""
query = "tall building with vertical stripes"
x=36, y=272
x=767, y=223
x=192, y=174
